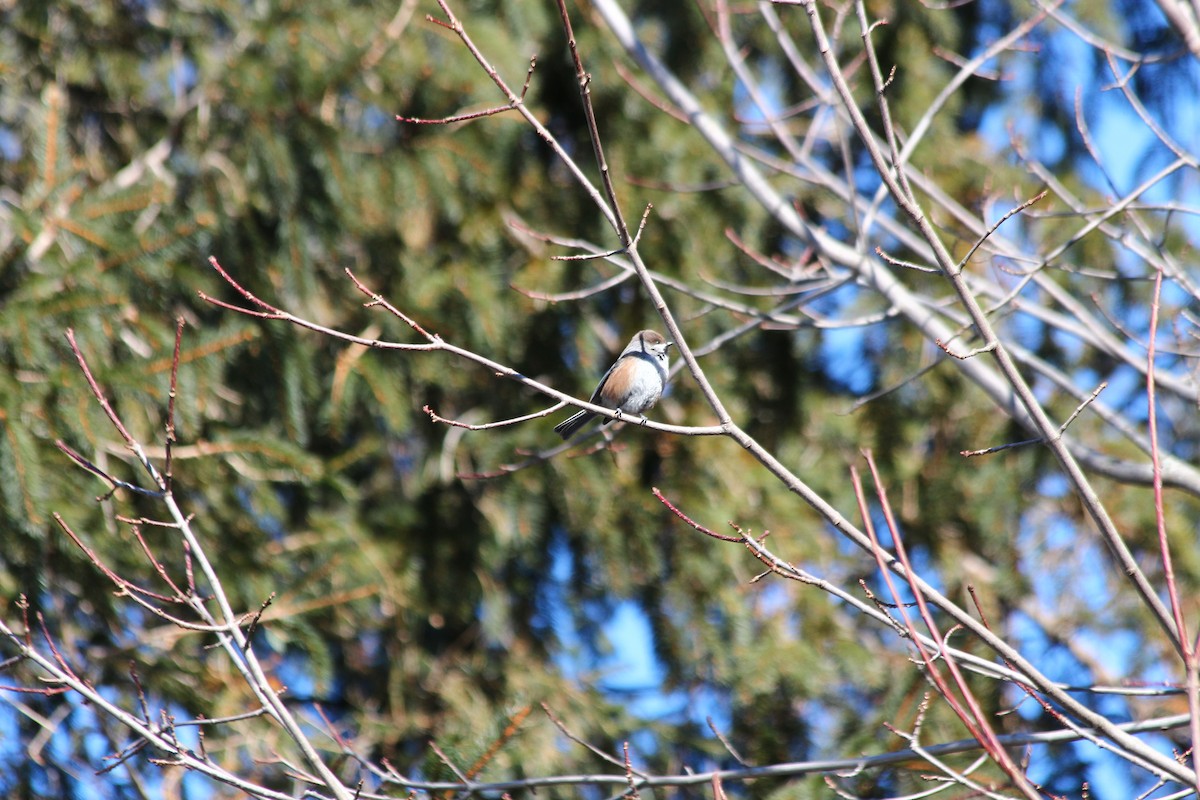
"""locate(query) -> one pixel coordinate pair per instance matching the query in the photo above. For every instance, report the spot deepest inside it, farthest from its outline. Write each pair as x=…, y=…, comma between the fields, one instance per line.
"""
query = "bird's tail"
x=566, y=429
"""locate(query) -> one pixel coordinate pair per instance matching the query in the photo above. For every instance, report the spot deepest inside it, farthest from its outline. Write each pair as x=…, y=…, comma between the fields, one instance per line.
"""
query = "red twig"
x=1188, y=649
x=91, y=554
x=271, y=311
x=116, y=483
x=154, y=561
x=378, y=300
x=472, y=114
x=633, y=791
x=97, y=392
x=706, y=531
x=172, y=391
x=972, y=715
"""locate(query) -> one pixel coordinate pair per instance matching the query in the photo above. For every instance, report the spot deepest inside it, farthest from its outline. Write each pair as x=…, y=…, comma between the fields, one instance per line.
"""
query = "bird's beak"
x=670, y=345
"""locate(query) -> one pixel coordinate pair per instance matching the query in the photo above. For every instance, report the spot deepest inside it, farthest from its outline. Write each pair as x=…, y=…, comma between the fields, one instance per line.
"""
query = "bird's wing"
x=600, y=386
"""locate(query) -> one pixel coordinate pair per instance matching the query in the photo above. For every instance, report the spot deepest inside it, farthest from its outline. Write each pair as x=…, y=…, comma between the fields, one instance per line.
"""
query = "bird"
x=632, y=384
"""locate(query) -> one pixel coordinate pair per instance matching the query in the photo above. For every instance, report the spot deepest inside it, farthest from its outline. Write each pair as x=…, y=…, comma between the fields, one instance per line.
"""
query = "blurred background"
x=421, y=591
